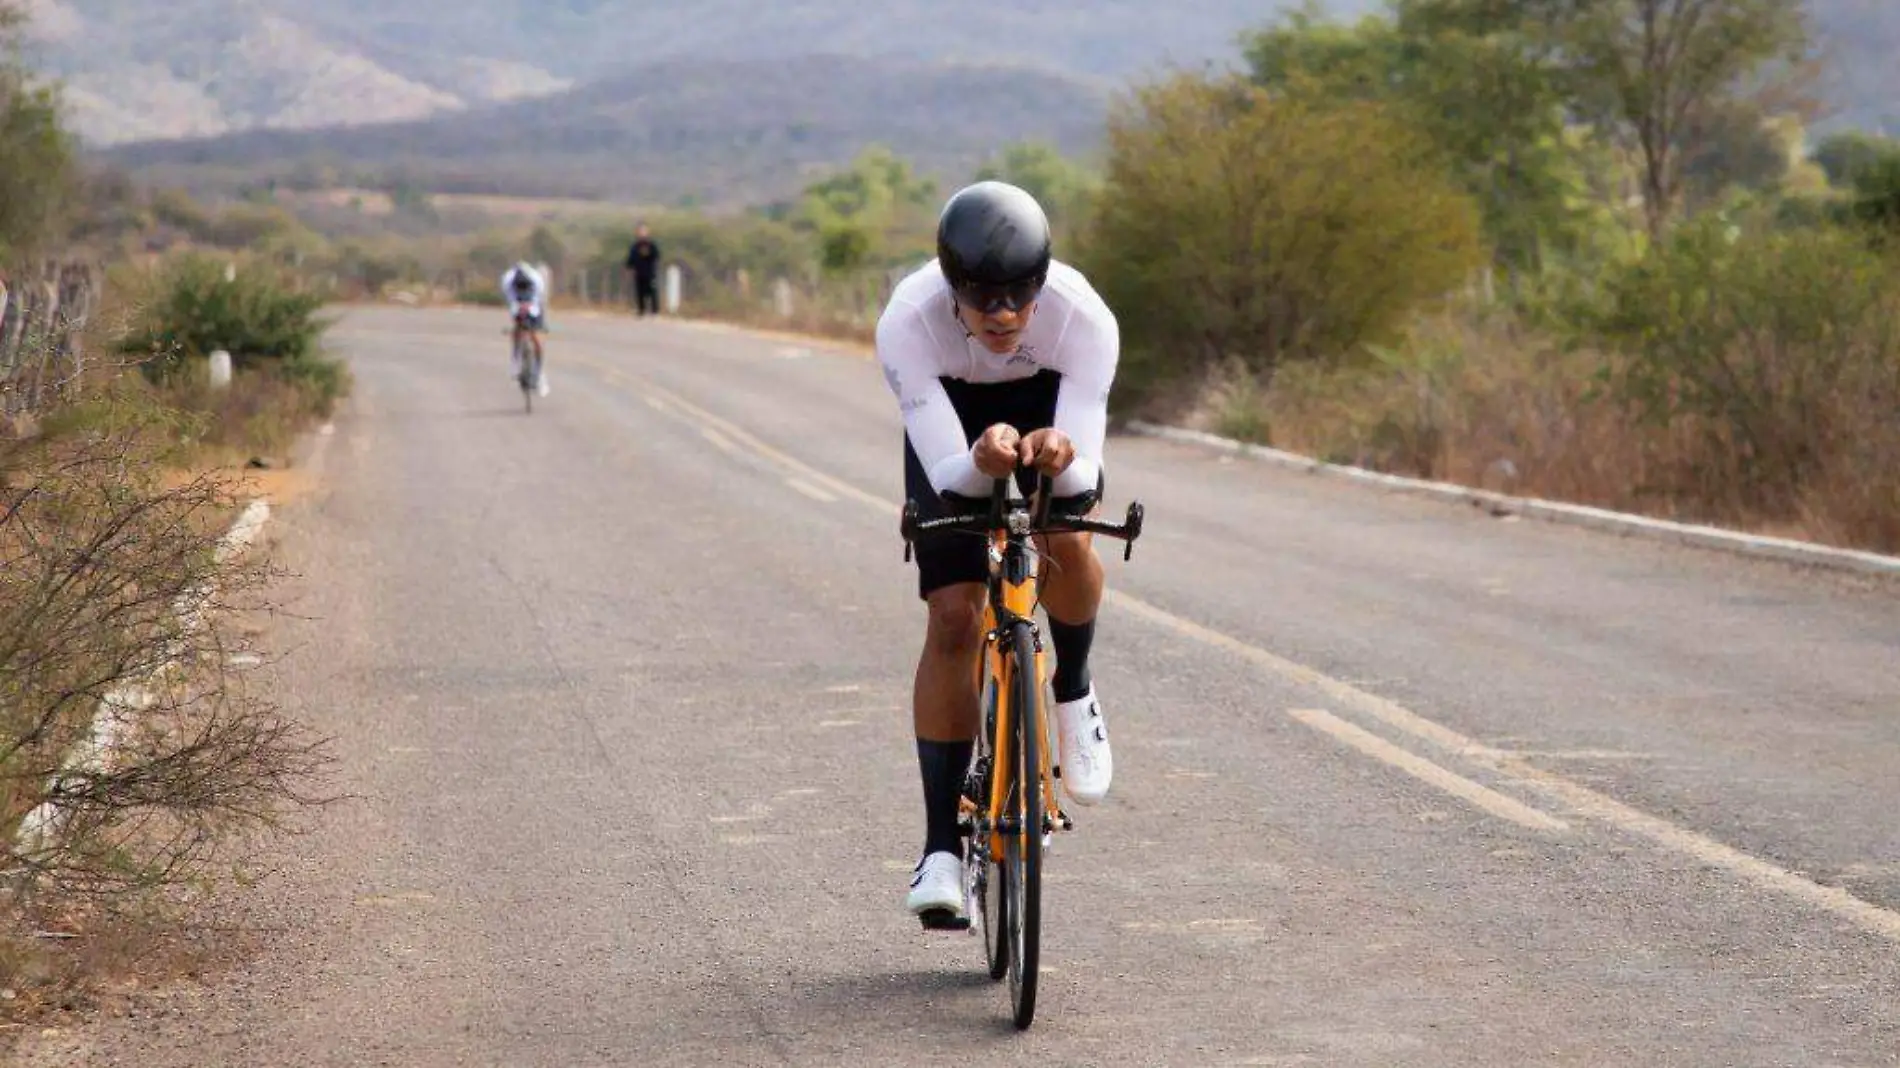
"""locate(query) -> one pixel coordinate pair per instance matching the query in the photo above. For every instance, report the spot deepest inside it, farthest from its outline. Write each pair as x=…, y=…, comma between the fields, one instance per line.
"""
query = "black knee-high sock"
x=944, y=766
x=1072, y=642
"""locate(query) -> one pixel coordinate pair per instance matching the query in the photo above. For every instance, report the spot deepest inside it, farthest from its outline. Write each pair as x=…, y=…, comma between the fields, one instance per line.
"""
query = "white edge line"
x=115, y=710
x=1476, y=794
x=1702, y=536
x=1749, y=868
x=244, y=529
x=1581, y=799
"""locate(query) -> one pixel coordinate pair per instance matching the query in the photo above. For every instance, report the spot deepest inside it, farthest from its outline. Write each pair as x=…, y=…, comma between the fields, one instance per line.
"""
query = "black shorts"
x=1027, y=404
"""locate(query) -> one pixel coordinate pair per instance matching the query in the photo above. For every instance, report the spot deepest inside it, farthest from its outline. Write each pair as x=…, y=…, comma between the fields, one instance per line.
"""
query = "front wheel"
x=987, y=893
x=1022, y=851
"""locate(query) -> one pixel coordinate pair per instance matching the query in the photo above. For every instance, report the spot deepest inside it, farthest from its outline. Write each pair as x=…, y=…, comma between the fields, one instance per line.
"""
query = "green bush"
x=1752, y=341
x=202, y=305
x=322, y=382
x=1236, y=229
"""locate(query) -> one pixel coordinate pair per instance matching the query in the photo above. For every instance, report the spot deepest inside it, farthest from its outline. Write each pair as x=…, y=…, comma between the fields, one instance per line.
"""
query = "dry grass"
x=58, y=962
x=258, y=415
x=1485, y=402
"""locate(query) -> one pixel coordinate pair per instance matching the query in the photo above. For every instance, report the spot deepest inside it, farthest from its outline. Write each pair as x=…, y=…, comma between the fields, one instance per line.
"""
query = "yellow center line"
x=811, y=491
x=719, y=440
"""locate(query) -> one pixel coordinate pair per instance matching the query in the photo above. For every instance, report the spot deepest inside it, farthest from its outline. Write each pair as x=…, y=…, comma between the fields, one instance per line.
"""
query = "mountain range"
x=193, y=68
x=640, y=99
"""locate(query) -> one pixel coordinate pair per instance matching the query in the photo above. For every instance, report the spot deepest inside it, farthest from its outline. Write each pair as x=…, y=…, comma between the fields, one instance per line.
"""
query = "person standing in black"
x=643, y=259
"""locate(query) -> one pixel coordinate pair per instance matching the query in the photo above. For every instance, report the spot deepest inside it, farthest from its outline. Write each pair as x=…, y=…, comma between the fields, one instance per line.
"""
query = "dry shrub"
x=134, y=757
x=1769, y=361
x=1855, y=499
x=1465, y=396
x=1480, y=399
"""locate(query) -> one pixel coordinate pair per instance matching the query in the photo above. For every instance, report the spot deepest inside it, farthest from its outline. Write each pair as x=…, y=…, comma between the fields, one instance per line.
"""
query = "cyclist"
x=526, y=291
x=999, y=356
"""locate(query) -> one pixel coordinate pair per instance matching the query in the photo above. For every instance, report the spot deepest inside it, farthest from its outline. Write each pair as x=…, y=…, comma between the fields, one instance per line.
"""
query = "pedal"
x=943, y=920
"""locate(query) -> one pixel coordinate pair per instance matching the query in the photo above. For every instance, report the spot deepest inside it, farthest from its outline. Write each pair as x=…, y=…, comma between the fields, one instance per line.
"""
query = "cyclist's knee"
x=956, y=618
x=1069, y=550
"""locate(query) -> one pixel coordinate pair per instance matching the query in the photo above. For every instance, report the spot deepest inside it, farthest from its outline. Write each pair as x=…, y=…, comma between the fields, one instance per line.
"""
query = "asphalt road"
x=621, y=690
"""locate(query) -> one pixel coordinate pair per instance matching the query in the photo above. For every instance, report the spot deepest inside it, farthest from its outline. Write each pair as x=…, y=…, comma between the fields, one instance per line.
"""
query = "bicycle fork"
x=984, y=805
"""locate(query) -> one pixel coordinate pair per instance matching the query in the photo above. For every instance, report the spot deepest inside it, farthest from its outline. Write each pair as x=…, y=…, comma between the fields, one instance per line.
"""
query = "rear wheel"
x=1022, y=852
x=524, y=359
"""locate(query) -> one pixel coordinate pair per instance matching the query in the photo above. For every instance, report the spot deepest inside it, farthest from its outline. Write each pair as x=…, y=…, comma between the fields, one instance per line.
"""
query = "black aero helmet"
x=993, y=245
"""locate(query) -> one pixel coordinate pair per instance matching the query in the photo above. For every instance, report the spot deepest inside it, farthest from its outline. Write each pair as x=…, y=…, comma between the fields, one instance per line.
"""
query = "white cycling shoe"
x=936, y=886
x=1086, y=763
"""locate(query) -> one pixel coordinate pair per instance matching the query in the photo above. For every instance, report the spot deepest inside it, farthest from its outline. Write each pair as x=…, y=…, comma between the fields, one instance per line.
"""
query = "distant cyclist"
x=526, y=292
x=999, y=357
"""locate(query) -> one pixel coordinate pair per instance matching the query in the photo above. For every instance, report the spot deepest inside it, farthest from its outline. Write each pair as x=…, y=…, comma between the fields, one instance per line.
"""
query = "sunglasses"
x=990, y=299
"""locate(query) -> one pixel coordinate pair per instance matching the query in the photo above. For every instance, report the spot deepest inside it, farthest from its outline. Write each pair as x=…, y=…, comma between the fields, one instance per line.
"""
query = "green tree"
x=1656, y=75
x=1240, y=229
x=1738, y=149
x=873, y=211
x=1688, y=90
x=1475, y=77
x=1848, y=155
x=36, y=152
x=1062, y=186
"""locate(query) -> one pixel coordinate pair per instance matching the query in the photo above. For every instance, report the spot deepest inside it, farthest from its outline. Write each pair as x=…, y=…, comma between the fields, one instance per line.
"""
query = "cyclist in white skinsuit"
x=523, y=287
x=998, y=355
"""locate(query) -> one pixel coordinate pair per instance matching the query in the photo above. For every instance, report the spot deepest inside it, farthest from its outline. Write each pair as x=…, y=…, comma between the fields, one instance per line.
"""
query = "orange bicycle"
x=1010, y=809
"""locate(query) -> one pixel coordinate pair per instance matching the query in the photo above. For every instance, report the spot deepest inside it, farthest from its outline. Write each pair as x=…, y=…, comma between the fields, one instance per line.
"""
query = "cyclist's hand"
x=997, y=451
x=1049, y=451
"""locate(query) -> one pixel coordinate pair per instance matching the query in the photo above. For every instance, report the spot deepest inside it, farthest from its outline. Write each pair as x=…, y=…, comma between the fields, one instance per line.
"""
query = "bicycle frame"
x=1013, y=594
x=1011, y=604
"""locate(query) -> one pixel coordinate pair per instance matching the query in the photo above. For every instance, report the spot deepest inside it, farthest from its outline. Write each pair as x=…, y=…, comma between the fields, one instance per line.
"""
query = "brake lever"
x=1044, y=499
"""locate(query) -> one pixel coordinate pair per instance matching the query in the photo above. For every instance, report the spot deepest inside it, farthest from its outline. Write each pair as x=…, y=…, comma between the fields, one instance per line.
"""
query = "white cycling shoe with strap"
x=1087, y=765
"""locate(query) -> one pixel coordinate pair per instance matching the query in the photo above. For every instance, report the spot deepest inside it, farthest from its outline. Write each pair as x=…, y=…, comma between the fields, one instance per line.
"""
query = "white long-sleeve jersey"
x=538, y=301
x=1072, y=332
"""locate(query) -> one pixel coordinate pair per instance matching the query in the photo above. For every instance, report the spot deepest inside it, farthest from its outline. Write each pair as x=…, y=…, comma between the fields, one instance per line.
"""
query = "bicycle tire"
x=992, y=899
x=1023, y=851
x=524, y=359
